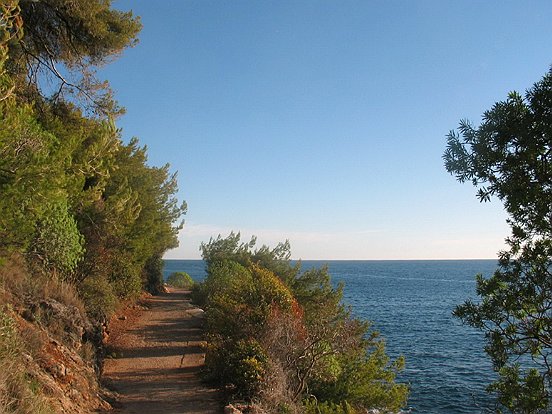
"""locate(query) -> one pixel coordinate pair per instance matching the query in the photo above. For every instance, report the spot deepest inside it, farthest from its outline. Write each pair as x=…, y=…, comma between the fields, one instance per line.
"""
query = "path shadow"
x=158, y=364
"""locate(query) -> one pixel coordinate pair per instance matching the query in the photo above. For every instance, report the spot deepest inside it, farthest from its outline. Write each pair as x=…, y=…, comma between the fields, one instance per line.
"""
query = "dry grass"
x=33, y=340
x=19, y=392
x=31, y=291
x=25, y=287
x=63, y=292
x=13, y=278
x=21, y=286
x=274, y=395
x=87, y=352
x=19, y=283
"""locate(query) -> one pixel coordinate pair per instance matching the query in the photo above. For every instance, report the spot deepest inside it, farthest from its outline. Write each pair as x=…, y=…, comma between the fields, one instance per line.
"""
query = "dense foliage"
x=83, y=217
x=281, y=337
x=76, y=201
x=180, y=280
x=510, y=156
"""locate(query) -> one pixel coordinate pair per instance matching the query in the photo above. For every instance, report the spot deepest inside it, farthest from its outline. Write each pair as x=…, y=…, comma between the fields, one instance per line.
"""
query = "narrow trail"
x=159, y=355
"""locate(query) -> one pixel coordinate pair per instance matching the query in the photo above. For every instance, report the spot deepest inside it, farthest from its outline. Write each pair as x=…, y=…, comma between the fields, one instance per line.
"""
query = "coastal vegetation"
x=180, y=280
x=281, y=338
x=84, y=220
x=508, y=156
x=77, y=202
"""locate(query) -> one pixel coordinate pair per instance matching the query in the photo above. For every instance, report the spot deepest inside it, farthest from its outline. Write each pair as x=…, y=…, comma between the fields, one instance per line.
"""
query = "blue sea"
x=411, y=304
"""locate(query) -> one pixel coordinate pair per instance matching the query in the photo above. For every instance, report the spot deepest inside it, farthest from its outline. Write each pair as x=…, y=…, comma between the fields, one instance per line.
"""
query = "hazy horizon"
x=368, y=260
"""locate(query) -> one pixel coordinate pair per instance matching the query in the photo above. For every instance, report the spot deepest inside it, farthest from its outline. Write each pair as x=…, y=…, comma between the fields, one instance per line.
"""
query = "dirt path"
x=158, y=358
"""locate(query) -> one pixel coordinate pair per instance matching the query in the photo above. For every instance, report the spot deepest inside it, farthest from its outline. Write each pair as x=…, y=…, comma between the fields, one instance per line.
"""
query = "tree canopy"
x=510, y=156
x=76, y=201
x=61, y=45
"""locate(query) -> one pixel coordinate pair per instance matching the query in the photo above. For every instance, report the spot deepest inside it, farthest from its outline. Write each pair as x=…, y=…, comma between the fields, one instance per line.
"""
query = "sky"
x=324, y=122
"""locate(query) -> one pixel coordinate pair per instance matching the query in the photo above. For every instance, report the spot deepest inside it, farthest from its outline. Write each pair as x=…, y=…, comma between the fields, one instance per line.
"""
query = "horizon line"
x=367, y=260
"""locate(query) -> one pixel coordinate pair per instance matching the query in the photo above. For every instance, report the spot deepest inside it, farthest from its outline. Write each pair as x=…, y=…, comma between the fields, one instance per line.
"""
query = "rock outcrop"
x=59, y=358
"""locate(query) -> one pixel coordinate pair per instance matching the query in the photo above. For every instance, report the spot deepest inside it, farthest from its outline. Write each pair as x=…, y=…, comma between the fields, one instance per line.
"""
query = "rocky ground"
x=56, y=363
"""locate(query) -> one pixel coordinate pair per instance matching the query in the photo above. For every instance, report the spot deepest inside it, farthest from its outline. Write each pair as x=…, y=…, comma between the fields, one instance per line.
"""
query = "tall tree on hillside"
x=50, y=153
x=510, y=156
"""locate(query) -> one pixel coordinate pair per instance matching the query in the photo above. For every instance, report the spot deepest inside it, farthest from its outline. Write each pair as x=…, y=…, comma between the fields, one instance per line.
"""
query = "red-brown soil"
x=157, y=354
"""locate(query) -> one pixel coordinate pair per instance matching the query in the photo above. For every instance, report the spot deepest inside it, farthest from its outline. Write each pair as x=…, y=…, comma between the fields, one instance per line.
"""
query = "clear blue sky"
x=324, y=122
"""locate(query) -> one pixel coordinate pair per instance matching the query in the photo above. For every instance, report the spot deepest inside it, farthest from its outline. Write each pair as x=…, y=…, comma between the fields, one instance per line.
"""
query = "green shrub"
x=240, y=299
x=126, y=278
x=58, y=243
x=98, y=296
x=248, y=363
x=153, y=274
x=242, y=364
x=180, y=280
x=200, y=294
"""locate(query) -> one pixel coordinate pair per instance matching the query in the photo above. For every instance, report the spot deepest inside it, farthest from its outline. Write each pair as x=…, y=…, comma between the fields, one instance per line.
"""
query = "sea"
x=410, y=302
